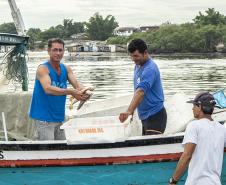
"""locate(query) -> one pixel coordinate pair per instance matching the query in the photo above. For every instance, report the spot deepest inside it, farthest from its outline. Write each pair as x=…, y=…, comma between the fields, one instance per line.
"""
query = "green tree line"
x=97, y=28
x=207, y=30
x=203, y=35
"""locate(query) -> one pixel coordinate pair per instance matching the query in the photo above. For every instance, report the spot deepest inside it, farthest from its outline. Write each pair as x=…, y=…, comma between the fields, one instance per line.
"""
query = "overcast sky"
x=45, y=13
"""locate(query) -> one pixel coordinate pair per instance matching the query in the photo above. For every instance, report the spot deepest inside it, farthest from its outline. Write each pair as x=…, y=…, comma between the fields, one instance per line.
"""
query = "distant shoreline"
x=190, y=55
x=159, y=55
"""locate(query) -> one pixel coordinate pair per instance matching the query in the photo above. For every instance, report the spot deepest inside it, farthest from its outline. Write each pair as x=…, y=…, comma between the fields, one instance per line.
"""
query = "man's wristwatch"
x=172, y=181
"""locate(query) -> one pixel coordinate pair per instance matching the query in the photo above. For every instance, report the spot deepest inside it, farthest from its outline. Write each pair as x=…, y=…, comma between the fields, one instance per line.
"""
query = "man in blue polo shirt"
x=148, y=96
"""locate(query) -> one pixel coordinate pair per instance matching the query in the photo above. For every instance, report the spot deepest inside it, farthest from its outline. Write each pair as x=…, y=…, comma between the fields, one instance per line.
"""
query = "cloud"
x=46, y=13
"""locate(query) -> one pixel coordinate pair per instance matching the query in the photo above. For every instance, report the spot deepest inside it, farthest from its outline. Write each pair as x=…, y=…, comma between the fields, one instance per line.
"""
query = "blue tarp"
x=220, y=98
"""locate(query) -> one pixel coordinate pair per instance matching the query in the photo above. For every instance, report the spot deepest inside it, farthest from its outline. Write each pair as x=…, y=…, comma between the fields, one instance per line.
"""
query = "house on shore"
x=87, y=46
x=125, y=31
x=148, y=28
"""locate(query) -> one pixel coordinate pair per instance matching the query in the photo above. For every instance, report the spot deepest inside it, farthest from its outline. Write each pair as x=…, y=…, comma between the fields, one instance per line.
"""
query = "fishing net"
x=14, y=65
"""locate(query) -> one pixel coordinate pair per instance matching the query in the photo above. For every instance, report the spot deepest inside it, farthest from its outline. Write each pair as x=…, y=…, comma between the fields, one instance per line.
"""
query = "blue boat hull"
x=132, y=174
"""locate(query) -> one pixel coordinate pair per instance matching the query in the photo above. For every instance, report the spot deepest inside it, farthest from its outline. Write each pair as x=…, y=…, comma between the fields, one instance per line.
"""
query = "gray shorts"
x=48, y=131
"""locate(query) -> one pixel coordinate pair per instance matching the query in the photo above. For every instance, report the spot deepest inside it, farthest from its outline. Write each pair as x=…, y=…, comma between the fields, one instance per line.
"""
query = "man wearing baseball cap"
x=203, y=142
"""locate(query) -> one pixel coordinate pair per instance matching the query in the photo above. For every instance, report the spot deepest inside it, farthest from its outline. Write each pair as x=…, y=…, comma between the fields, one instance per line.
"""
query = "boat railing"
x=4, y=126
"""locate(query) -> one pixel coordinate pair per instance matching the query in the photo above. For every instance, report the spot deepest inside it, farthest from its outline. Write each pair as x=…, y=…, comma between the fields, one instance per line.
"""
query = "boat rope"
x=14, y=64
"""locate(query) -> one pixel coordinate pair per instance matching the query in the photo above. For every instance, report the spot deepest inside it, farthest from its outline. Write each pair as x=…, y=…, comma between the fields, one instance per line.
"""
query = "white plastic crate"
x=106, y=129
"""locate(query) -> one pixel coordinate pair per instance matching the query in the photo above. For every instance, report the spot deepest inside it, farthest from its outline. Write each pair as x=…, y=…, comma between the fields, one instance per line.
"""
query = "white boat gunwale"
x=62, y=145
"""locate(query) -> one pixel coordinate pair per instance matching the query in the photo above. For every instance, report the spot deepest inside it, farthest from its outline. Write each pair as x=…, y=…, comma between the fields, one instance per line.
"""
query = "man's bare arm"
x=137, y=98
x=72, y=79
x=184, y=160
x=44, y=78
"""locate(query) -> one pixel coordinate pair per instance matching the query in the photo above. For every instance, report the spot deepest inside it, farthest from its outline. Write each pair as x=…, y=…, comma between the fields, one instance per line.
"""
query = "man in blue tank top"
x=49, y=95
x=148, y=96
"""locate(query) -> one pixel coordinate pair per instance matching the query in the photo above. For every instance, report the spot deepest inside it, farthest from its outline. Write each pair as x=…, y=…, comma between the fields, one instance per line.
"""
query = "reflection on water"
x=112, y=74
x=192, y=76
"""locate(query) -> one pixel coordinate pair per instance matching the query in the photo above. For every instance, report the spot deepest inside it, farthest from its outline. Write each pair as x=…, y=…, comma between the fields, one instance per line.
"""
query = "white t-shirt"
x=206, y=162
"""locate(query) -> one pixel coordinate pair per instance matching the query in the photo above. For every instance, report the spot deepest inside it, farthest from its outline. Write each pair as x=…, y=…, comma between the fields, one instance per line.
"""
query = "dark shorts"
x=155, y=124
